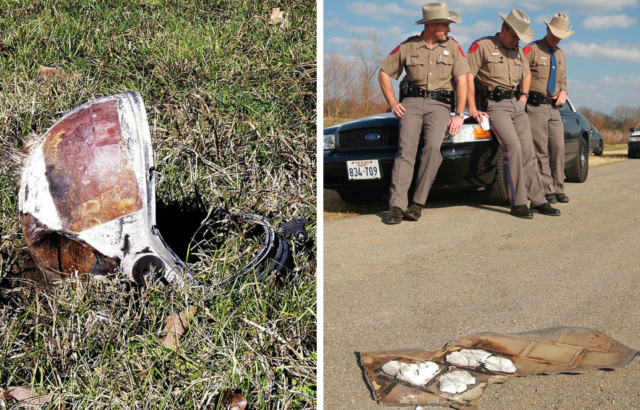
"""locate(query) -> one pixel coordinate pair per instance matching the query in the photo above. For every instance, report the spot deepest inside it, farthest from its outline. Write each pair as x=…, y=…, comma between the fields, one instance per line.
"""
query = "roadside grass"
x=616, y=147
x=231, y=104
x=611, y=154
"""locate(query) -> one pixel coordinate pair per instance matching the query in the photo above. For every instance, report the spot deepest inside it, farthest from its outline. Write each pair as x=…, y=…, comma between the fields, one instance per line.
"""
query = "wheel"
x=600, y=150
x=498, y=190
x=632, y=154
x=579, y=170
x=359, y=197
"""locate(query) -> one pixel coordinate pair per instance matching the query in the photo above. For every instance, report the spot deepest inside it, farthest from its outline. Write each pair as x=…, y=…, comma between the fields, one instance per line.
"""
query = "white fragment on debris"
x=456, y=381
x=417, y=374
x=35, y=195
x=391, y=368
x=499, y=364
x=474, y=357
x=467, y=358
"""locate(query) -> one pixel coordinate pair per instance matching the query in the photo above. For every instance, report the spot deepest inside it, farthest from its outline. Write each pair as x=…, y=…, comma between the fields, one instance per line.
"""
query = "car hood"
x=636, y=134
x=378, y=120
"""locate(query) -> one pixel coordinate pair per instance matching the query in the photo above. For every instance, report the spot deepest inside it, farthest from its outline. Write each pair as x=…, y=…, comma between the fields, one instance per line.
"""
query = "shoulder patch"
x=395, y=50
x=527, y=50
x=459, y=48
x=475, y=44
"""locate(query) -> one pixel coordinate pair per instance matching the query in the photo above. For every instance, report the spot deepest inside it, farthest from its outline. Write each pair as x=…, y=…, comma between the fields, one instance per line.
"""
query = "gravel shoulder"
x=467, y=267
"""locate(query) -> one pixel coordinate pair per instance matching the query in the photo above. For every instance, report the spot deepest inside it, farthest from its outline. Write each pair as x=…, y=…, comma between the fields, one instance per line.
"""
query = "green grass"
x=231, y=105
x=616, y=147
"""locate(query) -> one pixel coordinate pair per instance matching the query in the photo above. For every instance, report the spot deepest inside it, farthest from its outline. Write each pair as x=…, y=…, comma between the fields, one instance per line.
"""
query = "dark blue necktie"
x=551, y=88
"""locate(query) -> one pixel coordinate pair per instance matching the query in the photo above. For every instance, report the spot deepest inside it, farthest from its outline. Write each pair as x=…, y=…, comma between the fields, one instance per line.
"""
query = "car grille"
x=354, y=139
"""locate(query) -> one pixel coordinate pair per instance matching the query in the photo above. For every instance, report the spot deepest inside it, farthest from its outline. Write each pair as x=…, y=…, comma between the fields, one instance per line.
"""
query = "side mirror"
x=631, y=129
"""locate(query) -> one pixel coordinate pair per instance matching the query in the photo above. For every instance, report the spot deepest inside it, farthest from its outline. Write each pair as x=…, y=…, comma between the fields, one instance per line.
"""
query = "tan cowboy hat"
x=438, y=12
x=519, y=22
x=559, y=25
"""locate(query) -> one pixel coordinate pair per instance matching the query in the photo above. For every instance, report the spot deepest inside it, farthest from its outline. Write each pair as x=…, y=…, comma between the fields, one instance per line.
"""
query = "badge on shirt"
x=445, y=52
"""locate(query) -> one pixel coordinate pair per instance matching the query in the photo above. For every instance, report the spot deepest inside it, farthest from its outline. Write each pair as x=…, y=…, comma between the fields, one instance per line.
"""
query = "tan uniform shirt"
x=539, y=58
x=495, y=65
x=429, y=68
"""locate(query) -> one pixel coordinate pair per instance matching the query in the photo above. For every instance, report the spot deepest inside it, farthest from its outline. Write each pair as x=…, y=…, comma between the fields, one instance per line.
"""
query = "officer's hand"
x=398, y=110
x=478, y=115
x=561, y=98
x=455, y=123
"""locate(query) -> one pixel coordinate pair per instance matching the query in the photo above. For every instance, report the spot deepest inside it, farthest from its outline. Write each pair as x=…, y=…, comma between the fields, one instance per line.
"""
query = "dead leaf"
x=24, y=394
x=233, y=401
x=47, y=72
x=277, y=16
x=177, y=326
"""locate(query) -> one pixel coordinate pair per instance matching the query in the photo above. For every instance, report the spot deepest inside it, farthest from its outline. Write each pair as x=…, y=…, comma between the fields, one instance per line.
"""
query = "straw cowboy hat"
x=519, y=22
x=438, y=12
x=559, y=25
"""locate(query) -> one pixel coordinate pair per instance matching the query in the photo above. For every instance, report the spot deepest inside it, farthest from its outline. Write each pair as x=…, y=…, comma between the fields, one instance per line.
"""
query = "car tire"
x=600, y=150
x=355, y=197
x=498, y=190
x=632, y=154
x=579, y=170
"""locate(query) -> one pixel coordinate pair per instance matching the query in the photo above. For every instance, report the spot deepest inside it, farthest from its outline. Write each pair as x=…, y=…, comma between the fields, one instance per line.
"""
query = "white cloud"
x=581, y=5
x=605, y=93
x=377, y=11
x=332, y=23
x=609, y=51
x=607, y=22
x=478, y=29
x=465, y=6
x=339, y=40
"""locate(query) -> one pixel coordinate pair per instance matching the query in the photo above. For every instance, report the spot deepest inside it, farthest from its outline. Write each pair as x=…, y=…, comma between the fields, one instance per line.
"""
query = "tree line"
x=615, y=127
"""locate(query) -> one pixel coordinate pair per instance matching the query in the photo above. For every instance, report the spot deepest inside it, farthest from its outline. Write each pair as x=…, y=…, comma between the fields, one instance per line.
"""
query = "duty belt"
x=536, y=99
x=499, y=96
x=440, y=95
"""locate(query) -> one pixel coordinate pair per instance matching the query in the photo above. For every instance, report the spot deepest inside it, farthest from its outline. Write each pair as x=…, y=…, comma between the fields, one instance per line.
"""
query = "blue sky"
x=603, y=56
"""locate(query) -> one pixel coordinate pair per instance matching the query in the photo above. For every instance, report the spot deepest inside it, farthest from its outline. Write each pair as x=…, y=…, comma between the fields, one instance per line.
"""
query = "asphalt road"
x=468, y=267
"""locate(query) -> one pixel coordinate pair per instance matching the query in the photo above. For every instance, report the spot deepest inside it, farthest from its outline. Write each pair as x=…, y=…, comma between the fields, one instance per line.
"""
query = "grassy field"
x=231, y=103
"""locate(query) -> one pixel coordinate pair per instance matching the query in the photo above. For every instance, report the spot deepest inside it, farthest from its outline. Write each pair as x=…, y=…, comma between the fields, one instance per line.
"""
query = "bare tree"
x=338, y=87
x=368, y=55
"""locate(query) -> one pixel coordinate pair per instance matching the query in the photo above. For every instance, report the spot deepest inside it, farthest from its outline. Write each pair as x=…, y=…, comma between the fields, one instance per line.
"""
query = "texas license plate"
x=366, y=169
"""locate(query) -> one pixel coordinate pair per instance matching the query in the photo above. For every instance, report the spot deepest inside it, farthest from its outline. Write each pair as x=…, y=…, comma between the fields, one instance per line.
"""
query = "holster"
x=534, y=99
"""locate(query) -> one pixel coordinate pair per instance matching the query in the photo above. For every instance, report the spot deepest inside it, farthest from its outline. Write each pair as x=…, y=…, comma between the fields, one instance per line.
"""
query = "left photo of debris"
x=158, y=189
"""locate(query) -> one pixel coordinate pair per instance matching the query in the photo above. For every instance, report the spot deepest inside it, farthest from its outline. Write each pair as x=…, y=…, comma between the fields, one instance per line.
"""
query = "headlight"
x=633, y=139
x=471, y=132
x=329, y=141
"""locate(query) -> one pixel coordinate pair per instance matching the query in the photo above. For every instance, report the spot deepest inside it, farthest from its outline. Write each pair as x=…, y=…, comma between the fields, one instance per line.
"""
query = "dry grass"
x=612, y=153
x=614, y=137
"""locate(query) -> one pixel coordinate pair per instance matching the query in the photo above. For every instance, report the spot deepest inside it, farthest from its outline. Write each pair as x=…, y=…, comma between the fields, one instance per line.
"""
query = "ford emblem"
x=372, y=137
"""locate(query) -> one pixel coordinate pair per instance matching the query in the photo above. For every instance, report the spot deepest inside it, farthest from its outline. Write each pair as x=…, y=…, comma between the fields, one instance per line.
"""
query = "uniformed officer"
x=499, y=66
x=431, y=61
x=548, y=92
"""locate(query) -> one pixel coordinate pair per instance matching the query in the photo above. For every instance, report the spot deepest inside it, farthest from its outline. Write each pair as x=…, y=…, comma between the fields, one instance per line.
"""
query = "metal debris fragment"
x=87, y=202
x=87, y=197
x=469, y=364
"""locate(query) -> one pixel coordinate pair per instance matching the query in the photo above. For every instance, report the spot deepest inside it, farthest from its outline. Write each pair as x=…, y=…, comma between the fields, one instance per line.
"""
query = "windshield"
x=638, y=128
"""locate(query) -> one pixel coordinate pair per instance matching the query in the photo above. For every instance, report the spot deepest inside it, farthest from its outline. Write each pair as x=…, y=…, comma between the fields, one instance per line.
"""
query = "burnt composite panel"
x=547, y=351
x=90, y=175
x=87, y=197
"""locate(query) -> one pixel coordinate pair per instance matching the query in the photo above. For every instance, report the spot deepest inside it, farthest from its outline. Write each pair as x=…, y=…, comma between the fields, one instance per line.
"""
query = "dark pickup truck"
x=358, y=157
